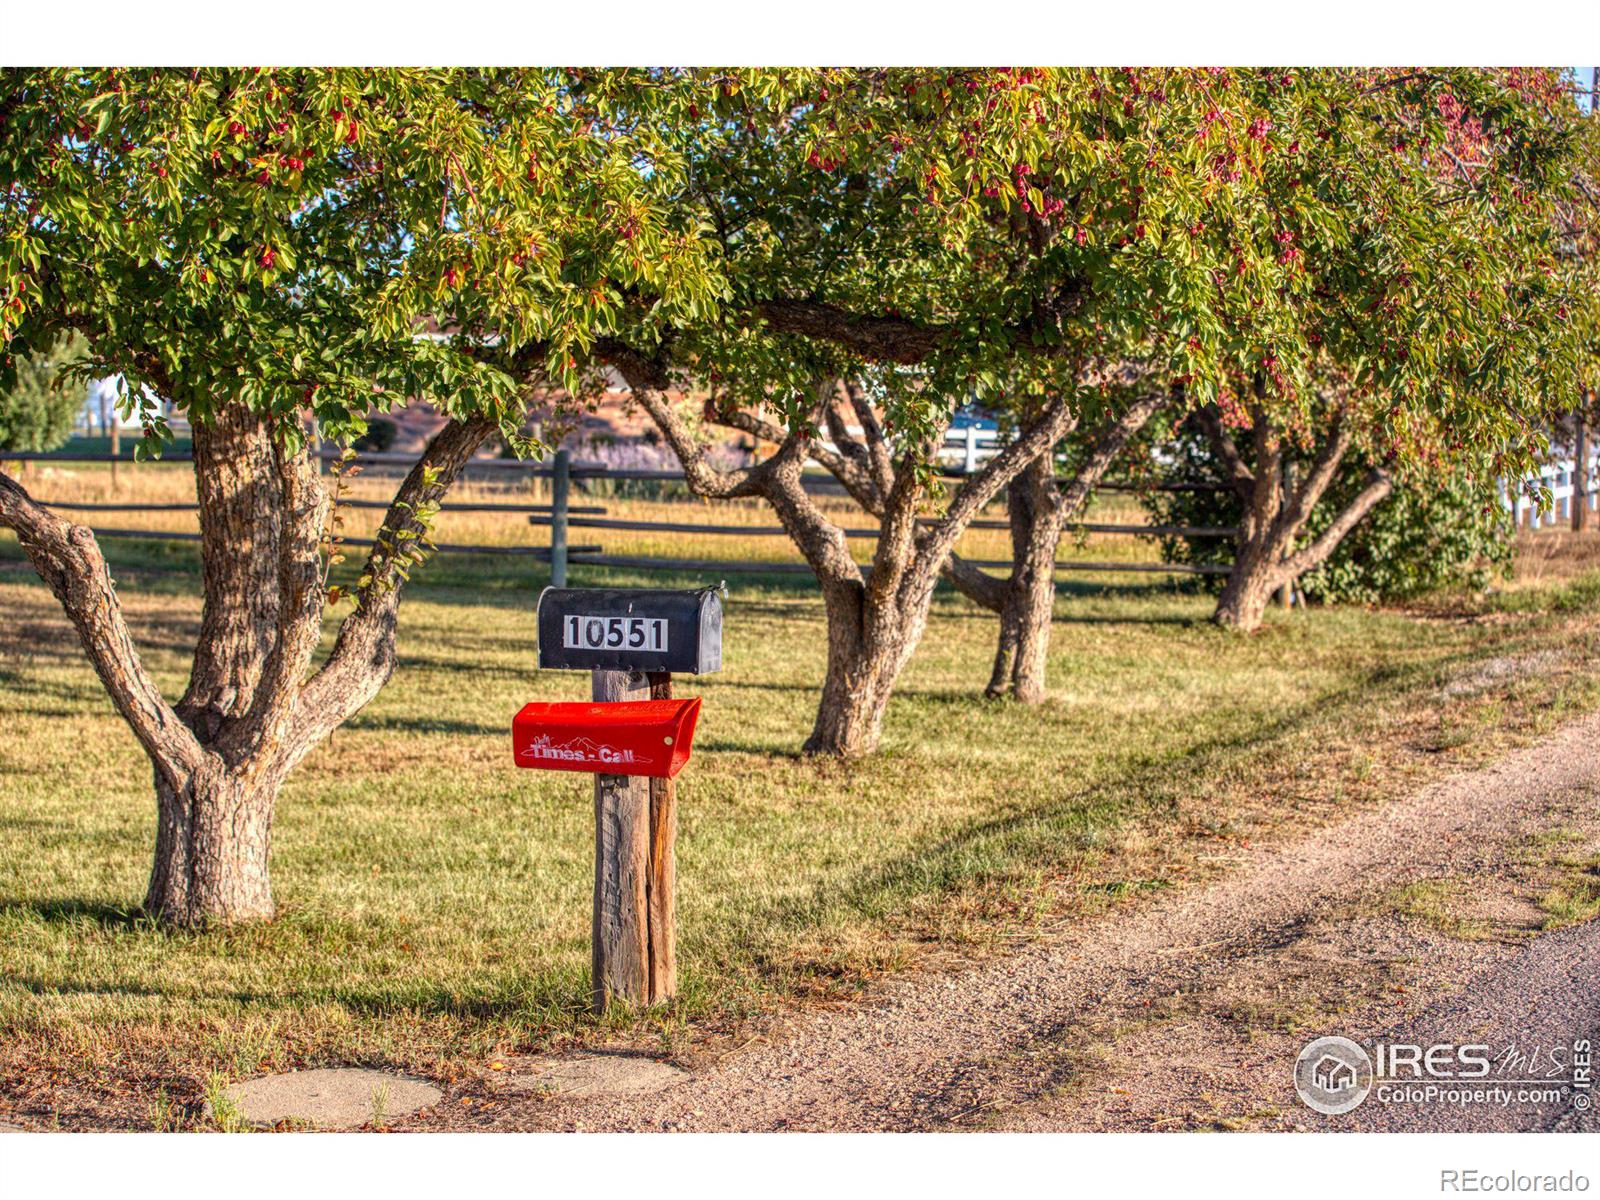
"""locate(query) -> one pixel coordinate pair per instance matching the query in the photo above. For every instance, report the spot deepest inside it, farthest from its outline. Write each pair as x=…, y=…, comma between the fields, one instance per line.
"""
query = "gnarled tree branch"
x=1053, y=423
x=1227, y=453
x=988, y=590
x=908, y=342
x=68, y=559
x=1303, y=498
x=363, y=654
x=1378, y=485
x=304, y=504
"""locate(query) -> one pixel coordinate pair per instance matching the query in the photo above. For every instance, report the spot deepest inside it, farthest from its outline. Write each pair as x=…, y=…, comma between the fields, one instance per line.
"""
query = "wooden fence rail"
x=174, y=535
x=561, y=514
x=452, y=507
x=733, y=567
x=1568, y=490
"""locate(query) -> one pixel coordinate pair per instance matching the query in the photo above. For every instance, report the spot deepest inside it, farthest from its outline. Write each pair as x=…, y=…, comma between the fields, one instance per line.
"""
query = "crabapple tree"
x=929, y=235
x=262, y=245
x=1419, y=218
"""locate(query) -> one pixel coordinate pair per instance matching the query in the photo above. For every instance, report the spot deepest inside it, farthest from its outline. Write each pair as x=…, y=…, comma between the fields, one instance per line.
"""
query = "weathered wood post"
x=661, y=888
x=1286, y=490
x=1580, y=471
x=634, y=736
x=634, y=952
x=560, y=484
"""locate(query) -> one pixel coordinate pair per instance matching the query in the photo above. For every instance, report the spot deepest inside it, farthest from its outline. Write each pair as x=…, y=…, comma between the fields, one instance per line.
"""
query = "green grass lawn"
x=435, y=900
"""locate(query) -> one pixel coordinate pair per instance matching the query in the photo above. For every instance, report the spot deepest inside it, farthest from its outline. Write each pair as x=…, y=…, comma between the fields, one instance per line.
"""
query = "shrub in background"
x=379, y=436
x=39, y=410
x=1436, y=531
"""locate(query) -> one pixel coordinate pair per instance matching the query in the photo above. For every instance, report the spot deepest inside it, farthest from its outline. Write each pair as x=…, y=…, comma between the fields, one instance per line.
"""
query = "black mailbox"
x=630, y=629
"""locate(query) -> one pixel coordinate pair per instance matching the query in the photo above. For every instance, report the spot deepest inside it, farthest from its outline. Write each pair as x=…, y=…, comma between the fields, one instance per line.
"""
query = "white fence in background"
x=965, y=450
x=1561, y=477
x=968, y=449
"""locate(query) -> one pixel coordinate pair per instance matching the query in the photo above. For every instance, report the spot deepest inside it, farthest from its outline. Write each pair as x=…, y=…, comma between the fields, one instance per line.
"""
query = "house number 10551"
x=582, y=632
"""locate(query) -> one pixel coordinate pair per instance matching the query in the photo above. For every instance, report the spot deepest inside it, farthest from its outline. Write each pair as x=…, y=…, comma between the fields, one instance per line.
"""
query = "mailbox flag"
x=625, y=737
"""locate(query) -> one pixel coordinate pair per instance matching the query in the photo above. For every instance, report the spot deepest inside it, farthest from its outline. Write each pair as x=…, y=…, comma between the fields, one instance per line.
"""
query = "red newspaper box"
x=628, y=737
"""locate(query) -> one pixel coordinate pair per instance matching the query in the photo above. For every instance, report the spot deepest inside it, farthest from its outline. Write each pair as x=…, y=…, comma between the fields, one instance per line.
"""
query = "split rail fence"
x=966, y=451
x=562, y=517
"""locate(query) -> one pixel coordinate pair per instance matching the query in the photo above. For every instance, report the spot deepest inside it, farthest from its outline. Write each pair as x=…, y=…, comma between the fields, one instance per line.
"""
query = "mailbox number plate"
x=584, y=632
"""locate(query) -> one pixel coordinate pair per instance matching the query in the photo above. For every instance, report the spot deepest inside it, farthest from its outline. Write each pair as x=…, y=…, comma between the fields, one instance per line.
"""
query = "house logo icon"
x=1333, y=1075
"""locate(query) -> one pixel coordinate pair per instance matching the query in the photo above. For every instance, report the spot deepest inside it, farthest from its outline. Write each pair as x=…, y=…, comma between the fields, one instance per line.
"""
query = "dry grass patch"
x=435, y=901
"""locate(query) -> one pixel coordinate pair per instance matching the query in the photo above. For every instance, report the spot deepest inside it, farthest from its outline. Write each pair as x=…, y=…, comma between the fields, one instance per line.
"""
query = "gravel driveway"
x=1188, y=1012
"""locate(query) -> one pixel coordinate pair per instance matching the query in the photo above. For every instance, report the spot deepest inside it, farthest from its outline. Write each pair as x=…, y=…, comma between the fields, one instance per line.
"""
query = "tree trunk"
x=249, y=713
x=1038, y=508
x=1035, y=602
x=864, y=655
x=1248, y=590
x=1277, y=499
x=213, y=835
x=1034, y=504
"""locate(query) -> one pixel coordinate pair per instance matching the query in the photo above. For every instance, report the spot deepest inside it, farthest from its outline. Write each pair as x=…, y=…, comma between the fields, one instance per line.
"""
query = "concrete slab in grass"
x=598, y=1075
x=333, y=1098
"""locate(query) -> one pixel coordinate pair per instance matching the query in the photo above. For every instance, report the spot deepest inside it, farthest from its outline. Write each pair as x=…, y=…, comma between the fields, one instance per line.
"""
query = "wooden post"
x=662, y=886
x=558, y=519
x=1580, y=471
x=634, y=954
x=1286, y=490
x=116, y=445
x=621, y=950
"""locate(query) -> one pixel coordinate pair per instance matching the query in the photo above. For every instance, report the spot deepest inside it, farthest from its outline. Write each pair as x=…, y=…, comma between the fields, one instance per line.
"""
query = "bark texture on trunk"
x=1266, y=550
x=1038, y=509
x=1035, y=513
x=213, y=834
x=1248, y=589
x=250, y=712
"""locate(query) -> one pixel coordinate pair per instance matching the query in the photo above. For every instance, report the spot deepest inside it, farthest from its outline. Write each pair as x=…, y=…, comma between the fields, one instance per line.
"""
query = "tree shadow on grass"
x=1153, y=787
x=543, y=1002
x=749, y=685
x=365, y=723
x=78, y=911
x=1175, y=619
x=720, y=745
x=82, y=987
x=559, y=999
x=1037, y=836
